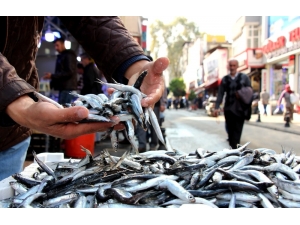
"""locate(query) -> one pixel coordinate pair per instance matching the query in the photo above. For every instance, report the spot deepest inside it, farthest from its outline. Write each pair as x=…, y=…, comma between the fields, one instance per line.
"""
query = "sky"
x=211, y=24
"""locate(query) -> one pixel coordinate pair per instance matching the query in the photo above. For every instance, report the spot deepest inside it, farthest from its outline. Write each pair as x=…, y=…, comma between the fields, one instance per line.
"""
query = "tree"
x=192, y=95
x=177, y=86
x=172, y=36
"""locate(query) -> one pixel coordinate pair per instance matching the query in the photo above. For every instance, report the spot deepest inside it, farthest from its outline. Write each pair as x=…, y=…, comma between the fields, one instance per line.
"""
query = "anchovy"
x=121, y=205
x=240, y=196
x=197, y=201
x=177, y=190
x=283, y=169
x=46, y=99
x=150, y=183
x=46, y=168
x=262, y=178
x=28, y=200
x=122, y=87
x=137, y=84
x=53, y=202
x=155, y=125
x=232, y=201
x=234, y=185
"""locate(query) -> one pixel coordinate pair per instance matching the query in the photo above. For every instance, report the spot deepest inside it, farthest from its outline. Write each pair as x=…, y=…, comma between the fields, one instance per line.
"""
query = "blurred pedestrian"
x=80, y=70
x=236, y=111
x=64, y=79
x=288, y=106
x=176, y=102
x=256, y=98
x=265, y=97
x=169, y=103
x=90, y=75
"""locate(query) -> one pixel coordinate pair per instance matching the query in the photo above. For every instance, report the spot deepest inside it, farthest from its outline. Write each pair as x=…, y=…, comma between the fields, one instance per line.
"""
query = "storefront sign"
x=215, y=66
x=192, y=85
x=255, y=58
x=283, y=44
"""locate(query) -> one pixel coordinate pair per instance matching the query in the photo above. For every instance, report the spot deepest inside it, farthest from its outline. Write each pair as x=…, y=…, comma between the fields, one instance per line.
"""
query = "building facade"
x=204, y=63
x=281, y=47
x=246, y=47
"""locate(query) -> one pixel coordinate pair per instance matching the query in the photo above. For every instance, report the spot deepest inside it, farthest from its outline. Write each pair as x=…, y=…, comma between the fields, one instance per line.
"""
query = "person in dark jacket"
x=234, y=118
x=64, y=78
x=104, y=38
x=90, y=74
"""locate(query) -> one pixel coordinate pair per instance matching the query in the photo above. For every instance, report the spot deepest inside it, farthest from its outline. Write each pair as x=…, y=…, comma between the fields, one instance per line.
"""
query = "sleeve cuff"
x=122, y=69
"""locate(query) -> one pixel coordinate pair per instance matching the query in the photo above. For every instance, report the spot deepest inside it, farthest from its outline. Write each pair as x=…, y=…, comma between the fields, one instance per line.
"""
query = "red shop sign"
x=295, y=35
x=273, y=46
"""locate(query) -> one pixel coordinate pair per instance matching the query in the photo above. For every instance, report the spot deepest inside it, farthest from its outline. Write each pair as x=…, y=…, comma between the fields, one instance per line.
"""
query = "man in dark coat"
x=64, y=78
x=234, y=117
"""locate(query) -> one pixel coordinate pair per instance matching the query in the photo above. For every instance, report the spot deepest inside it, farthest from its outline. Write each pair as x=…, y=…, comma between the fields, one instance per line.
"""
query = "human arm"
x=117, y=54
x=280, y=98
x=220, y=96
x=18, y=103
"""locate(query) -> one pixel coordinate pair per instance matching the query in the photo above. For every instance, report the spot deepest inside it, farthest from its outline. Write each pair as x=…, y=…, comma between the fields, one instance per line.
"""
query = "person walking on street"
x=64, y=78
x=105, y=39
x=235, y=111
x=265, y=96
x=289, y=107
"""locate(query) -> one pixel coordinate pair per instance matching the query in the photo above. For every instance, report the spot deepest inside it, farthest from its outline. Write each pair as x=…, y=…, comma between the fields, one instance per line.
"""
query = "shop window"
x=249, y=43
x=255, y=43
x=279, y=76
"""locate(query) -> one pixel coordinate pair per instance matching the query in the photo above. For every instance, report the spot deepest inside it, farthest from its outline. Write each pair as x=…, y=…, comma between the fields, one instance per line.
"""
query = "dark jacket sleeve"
x=11, y=85
x=105, y=39
x=221, y=92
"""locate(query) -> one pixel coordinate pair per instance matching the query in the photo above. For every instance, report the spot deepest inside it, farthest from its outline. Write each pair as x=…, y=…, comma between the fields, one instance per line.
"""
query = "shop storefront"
x=282, y=50
x=251, y=62
x=215, y=67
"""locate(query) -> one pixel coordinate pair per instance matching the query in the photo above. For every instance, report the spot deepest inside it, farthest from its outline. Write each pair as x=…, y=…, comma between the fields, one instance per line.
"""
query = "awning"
x=252, y=73
x=199, y=89
x=213, y=84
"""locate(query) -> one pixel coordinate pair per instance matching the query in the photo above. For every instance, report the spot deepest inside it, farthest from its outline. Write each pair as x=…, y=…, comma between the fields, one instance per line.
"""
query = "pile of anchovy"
x=231, y=178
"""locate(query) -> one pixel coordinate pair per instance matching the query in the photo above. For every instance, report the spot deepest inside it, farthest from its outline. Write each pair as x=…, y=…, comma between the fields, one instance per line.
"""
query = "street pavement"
x=209, y=132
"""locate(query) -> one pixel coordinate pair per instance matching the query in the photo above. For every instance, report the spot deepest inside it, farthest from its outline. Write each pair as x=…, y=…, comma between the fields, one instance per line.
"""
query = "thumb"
x=160, y=65
x=72, y=114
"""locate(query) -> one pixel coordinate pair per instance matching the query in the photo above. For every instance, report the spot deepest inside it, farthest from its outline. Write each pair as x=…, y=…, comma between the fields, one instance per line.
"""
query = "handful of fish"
x=124, y=102
x=236, y=178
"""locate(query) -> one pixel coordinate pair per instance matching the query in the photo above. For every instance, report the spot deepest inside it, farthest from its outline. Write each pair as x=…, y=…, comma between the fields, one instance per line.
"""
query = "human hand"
x=47, y=76
x=216, y=112
x=162, y=108
x=153, y=84
x=47, y=118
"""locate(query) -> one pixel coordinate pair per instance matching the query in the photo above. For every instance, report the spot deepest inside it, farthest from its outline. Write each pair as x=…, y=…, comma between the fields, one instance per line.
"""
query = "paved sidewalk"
x=276, y=122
